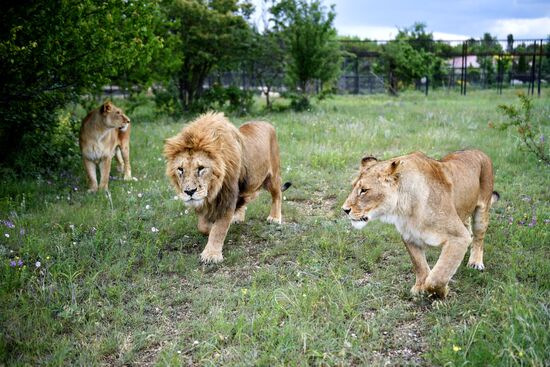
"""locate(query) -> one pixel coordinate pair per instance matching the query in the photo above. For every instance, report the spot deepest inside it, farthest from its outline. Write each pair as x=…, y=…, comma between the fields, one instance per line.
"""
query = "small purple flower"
x=19, y=262
x=533, y=222
x=542, y=138
x=521, y=222
x=8, y=223
x=22, y=231
x=13, y=263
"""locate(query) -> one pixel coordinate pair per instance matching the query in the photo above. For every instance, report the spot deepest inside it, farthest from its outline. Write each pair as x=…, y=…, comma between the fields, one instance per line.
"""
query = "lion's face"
x=374, y=193
x=193, y=175
x=114, y=117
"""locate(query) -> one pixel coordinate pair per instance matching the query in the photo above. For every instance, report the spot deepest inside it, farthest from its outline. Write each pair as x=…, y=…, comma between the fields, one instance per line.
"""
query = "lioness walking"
x=431, y=203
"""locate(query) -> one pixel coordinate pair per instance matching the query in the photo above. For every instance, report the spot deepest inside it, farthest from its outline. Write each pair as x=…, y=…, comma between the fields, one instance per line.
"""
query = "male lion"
x=104, y=131
x=431, y=203
x=218, y=169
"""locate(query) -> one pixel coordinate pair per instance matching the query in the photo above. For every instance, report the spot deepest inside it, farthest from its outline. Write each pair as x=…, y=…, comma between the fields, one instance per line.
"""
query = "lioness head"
x=374, y=192
x=113, y=116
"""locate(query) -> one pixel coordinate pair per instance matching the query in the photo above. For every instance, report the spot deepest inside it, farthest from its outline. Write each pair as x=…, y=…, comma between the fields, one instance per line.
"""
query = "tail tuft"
x=495, y=197
x=286, y=185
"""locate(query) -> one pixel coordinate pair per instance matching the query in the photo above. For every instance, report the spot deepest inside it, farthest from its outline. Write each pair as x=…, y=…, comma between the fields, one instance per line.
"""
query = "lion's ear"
x=368, y=161
x=106, y=107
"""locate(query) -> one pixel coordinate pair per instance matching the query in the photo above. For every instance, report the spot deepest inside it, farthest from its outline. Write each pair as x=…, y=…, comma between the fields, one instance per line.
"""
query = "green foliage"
x=310, y=38
x=204, y=36
x=409, y=57
x=267, y=60
x=232, y=99
x=51, y=53
x=529, y=127
x=299, y=102
x=487, y=44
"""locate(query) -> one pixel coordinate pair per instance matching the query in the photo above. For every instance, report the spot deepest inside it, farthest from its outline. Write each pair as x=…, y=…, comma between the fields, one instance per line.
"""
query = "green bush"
x=529, y=127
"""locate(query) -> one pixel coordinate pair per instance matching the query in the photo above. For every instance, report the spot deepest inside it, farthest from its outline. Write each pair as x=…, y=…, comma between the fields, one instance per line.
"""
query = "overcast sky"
x=450, y=20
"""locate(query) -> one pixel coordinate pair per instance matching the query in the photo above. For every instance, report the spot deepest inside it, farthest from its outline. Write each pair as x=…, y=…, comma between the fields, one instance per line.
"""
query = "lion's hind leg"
x=204, y=225
x=240, y=210
x=480, y=222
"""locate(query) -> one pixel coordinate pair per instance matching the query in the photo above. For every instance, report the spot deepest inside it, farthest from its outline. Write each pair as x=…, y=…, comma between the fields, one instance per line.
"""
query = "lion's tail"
x=286, y=185
x=495, y=197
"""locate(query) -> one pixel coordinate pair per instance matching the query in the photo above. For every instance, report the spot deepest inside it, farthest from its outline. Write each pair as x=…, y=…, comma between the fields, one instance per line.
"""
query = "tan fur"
x=218, y=169
x=431, y=203
x=104, y=132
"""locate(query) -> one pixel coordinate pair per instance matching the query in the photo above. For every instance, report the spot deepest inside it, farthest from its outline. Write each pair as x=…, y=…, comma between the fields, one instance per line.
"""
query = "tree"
x=208, y=35
x=409, y=57
x=51, y=53
x=310, y=38
x=487, y=47
x=268, y=60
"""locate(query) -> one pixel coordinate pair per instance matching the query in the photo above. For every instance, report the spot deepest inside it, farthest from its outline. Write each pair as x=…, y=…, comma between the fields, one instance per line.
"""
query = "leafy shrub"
x=528, y=126
x=51, y=147
x=299, y=102
x=167, y=101
x=232, y=99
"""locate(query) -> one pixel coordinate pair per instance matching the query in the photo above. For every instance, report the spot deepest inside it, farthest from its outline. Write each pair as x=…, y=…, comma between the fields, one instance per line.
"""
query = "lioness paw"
x=271, y=219
x=208, y=256
x=416, y=290
x=477, y=266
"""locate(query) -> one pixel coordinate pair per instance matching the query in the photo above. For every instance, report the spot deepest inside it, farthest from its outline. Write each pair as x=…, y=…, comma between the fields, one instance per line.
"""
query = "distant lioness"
x=218, y=169
x=431, y=203
x=104, y=131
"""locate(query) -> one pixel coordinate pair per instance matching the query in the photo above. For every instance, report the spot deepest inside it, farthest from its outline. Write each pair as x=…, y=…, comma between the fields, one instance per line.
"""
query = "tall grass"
x=98, y=284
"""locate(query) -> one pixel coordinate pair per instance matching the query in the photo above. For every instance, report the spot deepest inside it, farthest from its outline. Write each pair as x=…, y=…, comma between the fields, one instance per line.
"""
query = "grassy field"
x=92, y=280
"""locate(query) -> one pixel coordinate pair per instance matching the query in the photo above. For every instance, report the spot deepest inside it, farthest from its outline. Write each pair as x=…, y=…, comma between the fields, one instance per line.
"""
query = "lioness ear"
x=107, y=107
x=395, y=167
x=368, y=161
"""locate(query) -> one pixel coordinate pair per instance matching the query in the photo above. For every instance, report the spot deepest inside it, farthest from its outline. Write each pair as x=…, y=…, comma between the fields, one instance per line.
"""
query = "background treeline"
x=55, y=54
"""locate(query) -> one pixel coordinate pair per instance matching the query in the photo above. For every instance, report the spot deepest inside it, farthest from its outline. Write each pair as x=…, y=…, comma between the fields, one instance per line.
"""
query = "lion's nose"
x=346, y=210
x=190, y=192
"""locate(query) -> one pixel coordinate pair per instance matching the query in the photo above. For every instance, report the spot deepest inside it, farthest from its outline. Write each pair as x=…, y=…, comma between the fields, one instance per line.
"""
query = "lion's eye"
x=200, y=170
x=363, y=191
x=180, y=171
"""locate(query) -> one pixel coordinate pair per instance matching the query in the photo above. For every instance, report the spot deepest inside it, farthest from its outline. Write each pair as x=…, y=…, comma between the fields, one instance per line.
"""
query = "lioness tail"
x=286, y=185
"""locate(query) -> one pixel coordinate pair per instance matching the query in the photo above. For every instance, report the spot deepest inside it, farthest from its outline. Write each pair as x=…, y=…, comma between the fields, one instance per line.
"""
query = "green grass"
x=313, y=291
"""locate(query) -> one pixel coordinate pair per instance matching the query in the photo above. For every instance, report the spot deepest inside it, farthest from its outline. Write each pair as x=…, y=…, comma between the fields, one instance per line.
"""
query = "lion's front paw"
x=271, y=219
x=211, y=256
x=238, y=217
x=128, y=177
